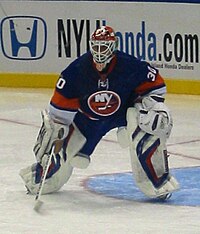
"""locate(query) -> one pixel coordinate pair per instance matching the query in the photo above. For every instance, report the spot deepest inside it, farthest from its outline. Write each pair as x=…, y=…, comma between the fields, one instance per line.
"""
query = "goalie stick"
x=38, y=202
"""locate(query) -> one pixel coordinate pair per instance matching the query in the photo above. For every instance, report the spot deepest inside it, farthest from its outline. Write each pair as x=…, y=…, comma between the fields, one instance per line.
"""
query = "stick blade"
x=38, y=205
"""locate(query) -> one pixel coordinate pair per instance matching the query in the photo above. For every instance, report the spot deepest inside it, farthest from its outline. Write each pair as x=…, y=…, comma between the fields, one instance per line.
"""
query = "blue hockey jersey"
x=103, y=95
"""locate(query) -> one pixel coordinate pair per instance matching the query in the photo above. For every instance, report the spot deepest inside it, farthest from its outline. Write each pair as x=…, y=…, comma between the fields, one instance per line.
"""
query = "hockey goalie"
x=105, y=89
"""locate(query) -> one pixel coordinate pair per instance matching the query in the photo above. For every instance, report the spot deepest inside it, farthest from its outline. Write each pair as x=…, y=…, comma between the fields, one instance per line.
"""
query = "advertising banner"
x=44, y=37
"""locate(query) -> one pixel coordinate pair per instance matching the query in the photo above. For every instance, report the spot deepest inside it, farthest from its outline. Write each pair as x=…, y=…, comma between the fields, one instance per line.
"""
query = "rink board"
x=24, y=80
x=37, y=44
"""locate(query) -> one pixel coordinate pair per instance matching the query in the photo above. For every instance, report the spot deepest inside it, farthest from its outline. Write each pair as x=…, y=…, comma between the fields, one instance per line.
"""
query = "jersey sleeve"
x=151, y=81
x=66, y=93
x=64, y=103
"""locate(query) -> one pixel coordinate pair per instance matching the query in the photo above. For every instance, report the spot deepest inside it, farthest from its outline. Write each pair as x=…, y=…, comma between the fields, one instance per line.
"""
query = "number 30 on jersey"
x=151, y=75
x=60, y=83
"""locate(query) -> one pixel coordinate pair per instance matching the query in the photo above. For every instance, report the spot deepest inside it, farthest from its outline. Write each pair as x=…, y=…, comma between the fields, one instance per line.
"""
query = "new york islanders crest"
x=104, y=103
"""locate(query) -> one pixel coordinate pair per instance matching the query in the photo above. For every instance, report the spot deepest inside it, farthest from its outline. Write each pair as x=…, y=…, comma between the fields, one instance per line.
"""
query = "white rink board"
x=167, y=35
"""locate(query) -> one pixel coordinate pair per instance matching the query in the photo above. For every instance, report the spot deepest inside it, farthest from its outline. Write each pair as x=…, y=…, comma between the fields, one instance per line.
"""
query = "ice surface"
x=74, y=209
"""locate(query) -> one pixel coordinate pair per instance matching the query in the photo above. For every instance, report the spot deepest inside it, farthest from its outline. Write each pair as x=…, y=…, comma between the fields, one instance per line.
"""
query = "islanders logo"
x=104, y=103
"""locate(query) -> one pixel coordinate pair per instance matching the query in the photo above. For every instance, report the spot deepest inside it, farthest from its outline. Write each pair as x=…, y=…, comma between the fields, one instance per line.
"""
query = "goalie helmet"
x=103, y=43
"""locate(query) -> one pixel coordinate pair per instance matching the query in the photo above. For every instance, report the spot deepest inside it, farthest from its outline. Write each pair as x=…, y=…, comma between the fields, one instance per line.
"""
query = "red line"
x=173, y=144
x=18, y=122
x=113, y=141
x=184, y=156
x=184, y=142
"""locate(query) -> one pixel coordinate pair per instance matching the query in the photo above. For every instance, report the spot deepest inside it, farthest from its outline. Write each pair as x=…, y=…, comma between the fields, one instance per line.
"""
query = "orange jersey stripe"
x=65, y=103
x=149, y=85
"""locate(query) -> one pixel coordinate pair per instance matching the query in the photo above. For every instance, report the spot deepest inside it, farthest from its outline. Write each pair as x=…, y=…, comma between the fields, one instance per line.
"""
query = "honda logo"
x=23, y=37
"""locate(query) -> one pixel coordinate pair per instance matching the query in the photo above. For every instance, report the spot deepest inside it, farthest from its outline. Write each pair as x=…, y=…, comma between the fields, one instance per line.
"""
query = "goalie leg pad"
x=61, y=166
x=74, y=145
x=149, y=161
x=58, y=175
x=49, y=133
x=150, y=165
x=122, y=137
x=80, y=160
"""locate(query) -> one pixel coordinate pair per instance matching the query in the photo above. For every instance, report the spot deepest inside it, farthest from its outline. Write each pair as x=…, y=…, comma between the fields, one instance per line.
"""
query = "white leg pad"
x=57, y=180
x=81, y=161
x=76, y=142
x=122, y=137
x=149, y=161
x=52, y=184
